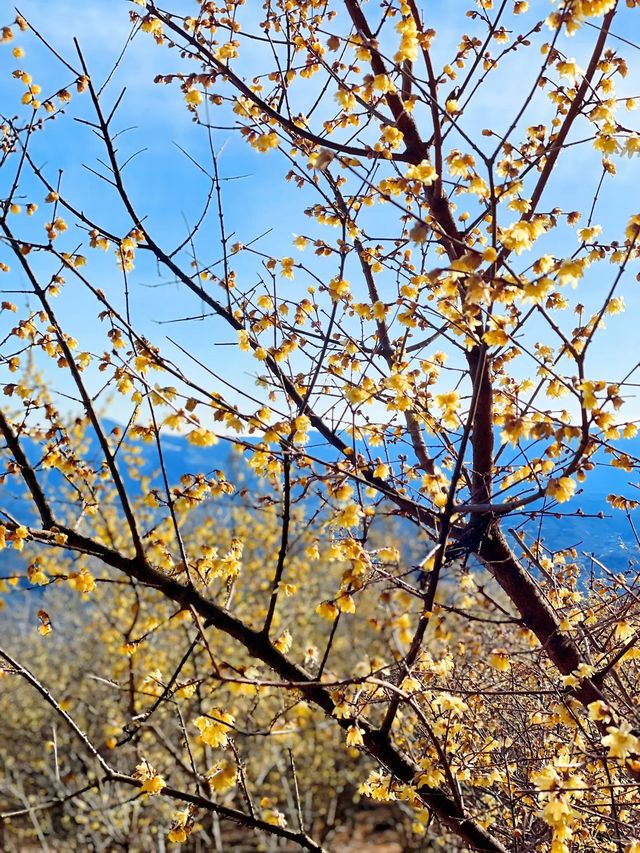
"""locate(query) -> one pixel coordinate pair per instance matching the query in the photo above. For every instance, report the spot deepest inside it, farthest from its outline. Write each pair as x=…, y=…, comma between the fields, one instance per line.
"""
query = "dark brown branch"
x=284, y=540
x=28, y=474
x=86, y=399
x=572, y=113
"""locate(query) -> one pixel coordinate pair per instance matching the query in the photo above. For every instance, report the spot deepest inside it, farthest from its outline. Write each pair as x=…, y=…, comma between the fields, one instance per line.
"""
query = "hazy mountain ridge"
x=587, y=522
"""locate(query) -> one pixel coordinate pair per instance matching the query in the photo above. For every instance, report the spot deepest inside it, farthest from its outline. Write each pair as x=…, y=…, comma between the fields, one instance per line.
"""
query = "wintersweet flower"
x=621, y=741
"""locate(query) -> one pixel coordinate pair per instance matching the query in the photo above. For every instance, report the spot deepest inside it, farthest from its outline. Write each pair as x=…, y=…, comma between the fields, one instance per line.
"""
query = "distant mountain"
x=575, y=523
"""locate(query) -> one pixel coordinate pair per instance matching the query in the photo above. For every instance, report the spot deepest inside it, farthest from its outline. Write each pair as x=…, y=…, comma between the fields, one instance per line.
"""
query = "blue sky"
x=170, y=190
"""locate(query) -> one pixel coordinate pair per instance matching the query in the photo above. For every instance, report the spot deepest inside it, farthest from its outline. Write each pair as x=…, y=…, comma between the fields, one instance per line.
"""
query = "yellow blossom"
x=449, y=403
x=423, y=172
x=202, y=437
x=83, y=581
x=599, y=710
x=287, y=265
x=181, y=826
x=570, y=272
x=345, y=603
x=266, y=141
x=521, y=235
x=561, y=489
x=383, y=84
x=274, y=817
x=36, y=575
x=214, y=728
x=338, y=289
x=569, y=68
x=328, y=610
x=177, y=835
x=621, y=741
x=194, y=97
x=222, y=776
x=409, y=43
x=392, y=136
x=284, y=641
x=349, y=516
x=152, y=782
x=632, y=230
x=499, y=659
x=354, y=736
